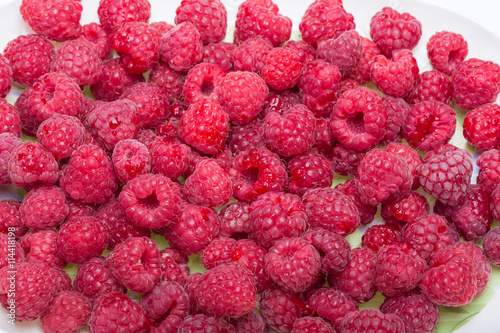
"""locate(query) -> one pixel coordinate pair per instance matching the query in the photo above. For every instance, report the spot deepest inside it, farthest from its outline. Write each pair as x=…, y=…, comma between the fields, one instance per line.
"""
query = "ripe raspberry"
x=470, y=94
x=204, y=126
x=369, y=52
x=345, y=161
x=489, y=173
x=371, y=320
x=331, y=304
x=345, y=51
x=201, y=83
x=221, y=54
x=96, y=38
x=61, y=279
x=250, y=323
x=366, y=212
x=69, y=311
x=173, y=271
x=261, y=19
x=280, y=308
x=429, y=233
x=282, y=68
x=84, y=179
x=30, y=165
x=181, y=47
x=356, y=280
x=44, y=207
x=169, y=158
x=335, y=251
x=380, y=235
x=311, y=324
x=61, y=135
x=412, y=158
x=251, y=54
x=396, y=76
x=482, y=266
x=10, y=121
x=324, y=138
x=130, y=159
x=169, y=80
x=6, y=76
x=397, y=110
x=491, y=246
x=79, y=208
x=319, y=86
x=114, y=13
x=305, y=50
x=29, y=120
x=209, y=18
x=235, y=220
x=30, y=57
x=245, y=137
x=201, y=323
x=309, y=170
x=152, y=104
x=480, y=127
x=116, y=311
x=324, y=20
x=408, y=207
x=446, y=51
x=55, y=19
x=242, y=95
x=446, y=173
x=9, y=218
x=359, y=119
x=431, y=85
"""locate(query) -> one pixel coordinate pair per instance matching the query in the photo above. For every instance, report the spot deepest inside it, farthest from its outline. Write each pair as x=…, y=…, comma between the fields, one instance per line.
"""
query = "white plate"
x=482, y=44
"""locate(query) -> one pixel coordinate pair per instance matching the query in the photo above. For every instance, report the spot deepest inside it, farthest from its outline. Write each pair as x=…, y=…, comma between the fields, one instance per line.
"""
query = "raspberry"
x=221, y=54
x=250, y=323
x=242, y=95
x=181, y=47
x=282, y=69
x=29, y=120
x=331, y=304
x=356, y=280
x=195, y=228
x=55, y=19
x=130, y=159
x=209, y=18
x=173, y=271
x=79, y=208
x=44, y=207
x=311, y=324
x=345, y=51
x=115, y=13
x=97, y=39
x=30, y=57
x=61, y=279
x=489, y=173
x=396, y=76
x=169, y=80
x=446, y=173
x=491, y=246
x=201, y=323
x=371, y=320
x=324, y=138
x=380, y=235
x=152, y=104
x=168, y=304
x=480, y=127
x=446, y=51
x=366, y=212
x=245, y=137
x=412, y=158
x=84, y=179
x=31, y=165
x=429, y=233
x=391, y=30
x=397, y=110
x=359, y=119
x=61, y=135
x=251, y=54
x=335, y=251
x=10, y=122
x=319, y=86
x=305, y=50
x=201, y=83
x=369, y=52
x=345, y=161
x=470, y=94
x=309, y=170
x=261, y=19
x=204, y=126
x=169, y=158
x=235, y=220
x=88, y=106
x=6, y=76
x=481, y=263
x=280, y=308
x=9, y=218
x=69, y=311
x=116, y=311
x=323, y=20
x=431, y=85
x=12, y=251
x=408, y=207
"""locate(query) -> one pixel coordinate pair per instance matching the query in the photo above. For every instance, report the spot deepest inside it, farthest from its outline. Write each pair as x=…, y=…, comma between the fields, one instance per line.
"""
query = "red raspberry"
x=97, y=39
x=58, y=20
x=250, y=323
x=242, y=95
x=391, y=30
x=201, y=83
x=152, y=104
x=130, y=159
x=195, y=228
x=429, y=233
x=309, y=170
x=173, y=271
x=261, y=19
x=79, y=208
x=324, y=137
x=380, y=235
x=356, y=280
x=204, y=126
x=61, y=279
x=280, y=101
x=348, y=84
x=10, y=121
x=201, y=323
x=176, y=254
x=371, y=320
x=408, y=207
x=209, y=18
x=84, y=179
x=335, y=251
x=169, y=80
x=412, y=158
x=190, y=287
x=116, y=311
x=245, y=137
x=446, y=51
x=12, y=252
x=369, y=52
x=44, y=207
x=181, y=47
x=489, y=173
x=29, y=120
x=480, y=127
x=88, y=106
x=305, y=50
x=9, y=218
x=115, y=13
x=310, y=325
x=169, y=158
x=280, y=308
x=397, y=110
x=69, y=311
x=319, y=86
x=491, y=246
x=345, y=161
x=470, y=94
x=30, y=164
x=6, y=76
x=482, y=266
x=331, y=304
x=345, y=51
x=251, y=54
x=323, y=20
x=366, y=212
x=61, y=135
x=282, y=68
x=235, y=220
x=431, y=85
x=30, y=57
x=221, y=54
x=359, y=119
x=446, y=173
x=396, y=76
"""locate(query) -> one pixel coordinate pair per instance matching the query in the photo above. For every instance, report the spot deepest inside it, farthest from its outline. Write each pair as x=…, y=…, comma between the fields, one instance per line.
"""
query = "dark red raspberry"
x=359, y=119
x=324, y=137
x=30, y=164
x=395, y=76
x=323, y=20
x=55, y=19
x=356, y=280
x=391, y=30
x=408, y=207
x=489, y=173
x=116, y=311
x=205, y=126
x=69, y=311
x=331, y=304
x=366, y=212
x=12, y=251
x=491, y=246
x=201, y=323
x=429, y=233
x=30, y=57
x=221, y=54
x=9, y=218
x=412, y=158
x=345, y=51
x=44, y=207
x=280, y=308
x=89, y=175
x=379, y=235
x=282, y=68
x=181, y=47
x=261, y=19
x=345, y=161
x=10, y=121
x=309, y=170
x=470, y=94
x=235, y=220
x=362, y=73
x=114, y=13
x=446, y=51
x=250, y=323
x=130, y=159
x=311, y=324
x=209, y=18
x=335, y=251
x=6, y=76
x=169, y=80
x=305, y=50
x=152, y=104
x=319, y=86
x=431, y=85
x=480, y=127
x=61, y=135
x=445, y=174
x=251, y=54
x=371, y=320
x=169, y=158
x=201, y=82
x=244, y=137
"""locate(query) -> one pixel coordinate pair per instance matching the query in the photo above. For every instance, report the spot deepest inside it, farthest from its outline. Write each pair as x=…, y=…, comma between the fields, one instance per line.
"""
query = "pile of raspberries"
x=228, y=150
